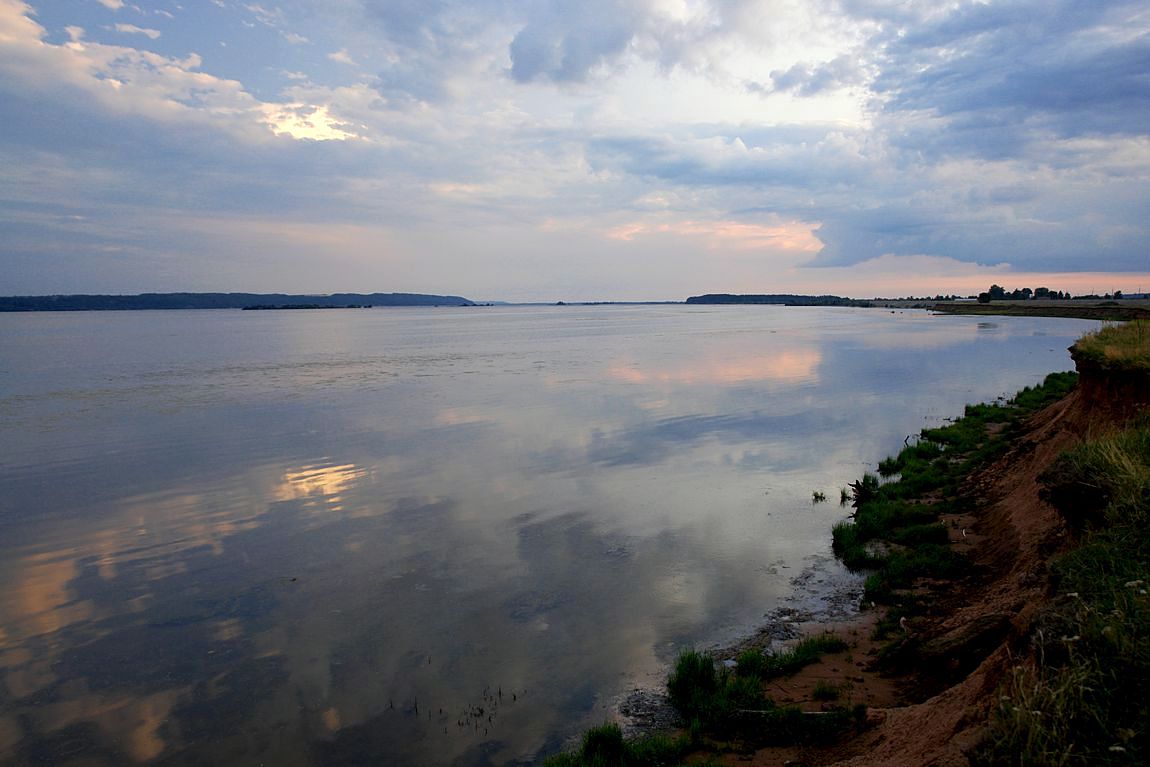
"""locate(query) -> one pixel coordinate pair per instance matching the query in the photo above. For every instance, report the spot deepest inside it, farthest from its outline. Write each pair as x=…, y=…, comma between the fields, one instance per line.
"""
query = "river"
x=428, y=536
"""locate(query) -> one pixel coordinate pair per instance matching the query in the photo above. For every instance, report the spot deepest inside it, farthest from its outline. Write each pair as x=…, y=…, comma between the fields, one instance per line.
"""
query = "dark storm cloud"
x=1070, y=68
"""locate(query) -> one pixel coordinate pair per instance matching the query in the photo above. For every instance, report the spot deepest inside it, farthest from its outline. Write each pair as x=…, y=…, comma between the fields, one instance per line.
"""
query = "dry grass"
x=1118, y=347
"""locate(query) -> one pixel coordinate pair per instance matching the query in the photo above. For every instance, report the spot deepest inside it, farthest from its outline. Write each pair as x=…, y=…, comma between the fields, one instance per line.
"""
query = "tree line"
x=999, y=293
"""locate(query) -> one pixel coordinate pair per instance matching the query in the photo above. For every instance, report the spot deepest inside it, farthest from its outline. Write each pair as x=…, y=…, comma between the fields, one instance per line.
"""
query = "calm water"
x=324, y=537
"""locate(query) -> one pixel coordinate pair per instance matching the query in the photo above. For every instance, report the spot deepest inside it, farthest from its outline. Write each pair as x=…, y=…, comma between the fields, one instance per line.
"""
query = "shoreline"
x=1111, y=311
x=927, y=679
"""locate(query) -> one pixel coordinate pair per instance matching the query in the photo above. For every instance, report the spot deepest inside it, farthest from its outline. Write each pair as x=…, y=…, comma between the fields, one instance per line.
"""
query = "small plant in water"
x=818, y=496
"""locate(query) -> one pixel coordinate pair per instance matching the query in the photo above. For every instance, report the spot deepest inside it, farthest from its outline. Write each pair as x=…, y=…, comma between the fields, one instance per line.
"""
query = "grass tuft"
x=826, y=691
x=804, y=652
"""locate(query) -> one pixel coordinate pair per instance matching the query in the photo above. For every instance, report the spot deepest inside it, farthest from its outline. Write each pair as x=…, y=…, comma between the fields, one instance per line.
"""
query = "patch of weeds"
x=818, y=497
x=694, y=684
x=605, y=746
x=1104, y=481
x=804, y=652
x=849, y=547
x=727, y=704
x=916, y=535
x=826, y=691
x=897, y=522
x=751, y=663
x=899, y=571
x=888, y=467
x=910, y=458
x=863, y=490
x=1054, y=387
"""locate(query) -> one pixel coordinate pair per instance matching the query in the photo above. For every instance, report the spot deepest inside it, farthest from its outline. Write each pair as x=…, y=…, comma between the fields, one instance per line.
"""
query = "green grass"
x=751, y=663
x=1118, y=347
x=803, y=653
x=733, y=704
x=894, y=530
x=1104, y=481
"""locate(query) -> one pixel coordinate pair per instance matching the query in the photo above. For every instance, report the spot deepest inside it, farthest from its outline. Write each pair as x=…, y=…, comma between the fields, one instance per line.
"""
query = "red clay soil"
x=937, y=718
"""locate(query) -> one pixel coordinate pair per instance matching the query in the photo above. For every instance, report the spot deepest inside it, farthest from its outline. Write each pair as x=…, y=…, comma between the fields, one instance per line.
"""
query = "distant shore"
x=1112, y=310
x=147, y=301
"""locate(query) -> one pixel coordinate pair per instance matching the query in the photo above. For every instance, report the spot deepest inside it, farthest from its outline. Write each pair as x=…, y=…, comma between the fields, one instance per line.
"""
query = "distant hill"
x=219, y=301
x=779, y=299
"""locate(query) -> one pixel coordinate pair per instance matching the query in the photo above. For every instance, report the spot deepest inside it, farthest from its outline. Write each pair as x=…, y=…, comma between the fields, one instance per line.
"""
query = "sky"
x=555, y=150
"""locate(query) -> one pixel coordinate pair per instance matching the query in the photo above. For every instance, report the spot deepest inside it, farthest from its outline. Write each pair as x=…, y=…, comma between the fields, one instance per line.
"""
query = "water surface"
x=323, y=538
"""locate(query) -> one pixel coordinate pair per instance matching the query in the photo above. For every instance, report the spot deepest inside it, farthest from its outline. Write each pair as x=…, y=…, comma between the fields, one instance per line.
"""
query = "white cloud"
x=270, y=17
x=342, y=57
x=128, y=81
x=132, y=29
x=114, y=5
x=306, y=121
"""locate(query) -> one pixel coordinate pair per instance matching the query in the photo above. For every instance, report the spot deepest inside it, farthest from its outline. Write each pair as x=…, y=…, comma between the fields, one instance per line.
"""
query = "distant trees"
x=999, y=293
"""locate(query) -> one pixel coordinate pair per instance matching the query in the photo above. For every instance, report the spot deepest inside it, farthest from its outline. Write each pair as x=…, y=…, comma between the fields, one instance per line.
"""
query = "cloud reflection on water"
x=293, y=595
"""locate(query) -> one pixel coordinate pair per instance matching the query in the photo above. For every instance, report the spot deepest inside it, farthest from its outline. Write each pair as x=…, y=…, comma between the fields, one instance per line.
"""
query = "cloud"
x=806, y=79
x=764, y=159
x=307, y=121
x=132, y=29
x=342, y=57
x=139, y=83
x=114, y=5
x=565, y=43
x=1025, y=69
